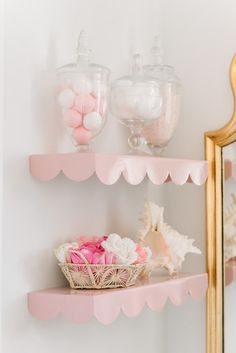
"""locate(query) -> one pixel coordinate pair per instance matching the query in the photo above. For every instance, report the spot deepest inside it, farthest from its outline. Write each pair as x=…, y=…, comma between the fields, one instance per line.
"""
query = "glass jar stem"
x=136, y=140
x=83, y=148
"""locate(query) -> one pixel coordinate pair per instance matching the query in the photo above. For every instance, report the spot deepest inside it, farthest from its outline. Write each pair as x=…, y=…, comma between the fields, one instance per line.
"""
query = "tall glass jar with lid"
x=160, y=131
x=83, y=96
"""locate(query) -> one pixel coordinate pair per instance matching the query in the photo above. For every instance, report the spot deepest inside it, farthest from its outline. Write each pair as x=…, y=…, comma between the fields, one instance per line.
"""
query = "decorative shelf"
x=230, y=272
x=105, y=305
x=230, y=170
x=108, y=168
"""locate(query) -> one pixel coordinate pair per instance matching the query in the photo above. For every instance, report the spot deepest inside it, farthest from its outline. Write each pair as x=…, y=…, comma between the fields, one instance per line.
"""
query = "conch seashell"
x=169, y=247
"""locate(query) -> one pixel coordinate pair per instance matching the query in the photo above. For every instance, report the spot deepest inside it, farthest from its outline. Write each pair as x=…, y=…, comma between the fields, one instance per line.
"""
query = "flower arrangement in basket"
x=111, y=261
x=102, y=262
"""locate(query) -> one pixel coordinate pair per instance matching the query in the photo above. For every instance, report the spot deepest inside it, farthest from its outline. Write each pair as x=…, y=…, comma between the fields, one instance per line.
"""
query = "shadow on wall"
x=44, y=104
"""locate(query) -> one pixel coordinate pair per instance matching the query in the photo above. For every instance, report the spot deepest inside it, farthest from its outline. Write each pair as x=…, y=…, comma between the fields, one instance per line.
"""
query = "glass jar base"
x=83, y=148
x=156, y=150
x=138, y=153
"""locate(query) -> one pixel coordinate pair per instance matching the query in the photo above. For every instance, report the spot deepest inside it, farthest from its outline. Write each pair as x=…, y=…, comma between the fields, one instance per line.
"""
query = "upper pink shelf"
x=108, y=168
x=230, y=272
x=105, y=305
x=230, y=170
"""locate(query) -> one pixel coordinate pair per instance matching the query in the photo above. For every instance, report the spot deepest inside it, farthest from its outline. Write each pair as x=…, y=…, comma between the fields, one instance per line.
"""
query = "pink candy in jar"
x=83, y=96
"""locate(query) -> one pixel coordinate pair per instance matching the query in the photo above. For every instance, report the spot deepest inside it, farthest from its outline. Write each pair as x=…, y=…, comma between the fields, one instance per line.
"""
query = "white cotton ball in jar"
x=66, y=98
x=127, y=107
x=92, y=121
x=130, y=103
x=123, y=106
x=129, y=97
x=83, y=85
x=145, y=106
x=155, y=113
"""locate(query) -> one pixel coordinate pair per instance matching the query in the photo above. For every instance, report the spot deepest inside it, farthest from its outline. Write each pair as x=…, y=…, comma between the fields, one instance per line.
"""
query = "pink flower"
x=74, y=256
x=92, y=251
x=143, y=254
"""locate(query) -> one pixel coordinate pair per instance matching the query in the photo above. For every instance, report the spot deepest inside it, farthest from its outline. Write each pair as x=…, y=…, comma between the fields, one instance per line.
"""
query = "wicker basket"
x=101, y=276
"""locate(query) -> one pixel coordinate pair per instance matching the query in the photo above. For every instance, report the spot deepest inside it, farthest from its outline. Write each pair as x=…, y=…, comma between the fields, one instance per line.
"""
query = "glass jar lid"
x=82, y=63
x=165, y=73
x=138, y=81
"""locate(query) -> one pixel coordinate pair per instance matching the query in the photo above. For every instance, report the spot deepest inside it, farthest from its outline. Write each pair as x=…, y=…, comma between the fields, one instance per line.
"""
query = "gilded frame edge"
x=214, y=143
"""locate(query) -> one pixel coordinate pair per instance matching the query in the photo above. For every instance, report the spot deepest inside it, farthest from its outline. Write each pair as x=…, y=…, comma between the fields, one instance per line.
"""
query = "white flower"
x=123, y=248
x=62, y=250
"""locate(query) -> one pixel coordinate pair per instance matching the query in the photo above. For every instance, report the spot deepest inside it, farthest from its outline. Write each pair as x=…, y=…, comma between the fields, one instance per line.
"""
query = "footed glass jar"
x=136, y=100
x=160, y=131
x=83, y=96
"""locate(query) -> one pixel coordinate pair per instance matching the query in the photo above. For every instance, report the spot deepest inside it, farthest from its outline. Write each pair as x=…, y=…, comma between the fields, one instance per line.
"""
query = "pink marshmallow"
x=100, y=106
x=72, y=118
x=82, y=136
x=84, y=103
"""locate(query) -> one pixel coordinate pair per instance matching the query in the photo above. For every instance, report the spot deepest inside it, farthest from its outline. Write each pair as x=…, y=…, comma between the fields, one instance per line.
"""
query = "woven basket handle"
x=81, y=255
x=87, y=265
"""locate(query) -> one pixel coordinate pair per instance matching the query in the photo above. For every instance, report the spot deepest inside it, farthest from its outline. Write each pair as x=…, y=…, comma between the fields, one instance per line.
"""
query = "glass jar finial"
x=137, y=67
x=157, y=51
x=82, y=49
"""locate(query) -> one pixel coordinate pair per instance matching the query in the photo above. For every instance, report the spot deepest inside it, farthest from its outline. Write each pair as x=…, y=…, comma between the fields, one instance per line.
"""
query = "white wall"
x=41, y=35
x=199, y=40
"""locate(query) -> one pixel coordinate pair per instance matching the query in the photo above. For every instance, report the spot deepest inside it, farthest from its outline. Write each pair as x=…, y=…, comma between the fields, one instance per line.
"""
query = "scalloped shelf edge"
x=81, y=306
x=109, y=168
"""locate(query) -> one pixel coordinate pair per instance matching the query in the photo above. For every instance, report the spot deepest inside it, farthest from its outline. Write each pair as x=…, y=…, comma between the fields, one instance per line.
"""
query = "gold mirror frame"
x=214, y=143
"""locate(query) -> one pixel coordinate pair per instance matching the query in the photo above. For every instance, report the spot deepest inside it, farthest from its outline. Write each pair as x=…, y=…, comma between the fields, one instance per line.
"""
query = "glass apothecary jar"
x=160, y=131
x=83, y=96
x=135, y=100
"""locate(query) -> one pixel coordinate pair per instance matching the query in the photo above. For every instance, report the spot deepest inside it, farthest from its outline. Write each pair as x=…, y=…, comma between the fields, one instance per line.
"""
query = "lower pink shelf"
x=105, y=305
x=230, y=272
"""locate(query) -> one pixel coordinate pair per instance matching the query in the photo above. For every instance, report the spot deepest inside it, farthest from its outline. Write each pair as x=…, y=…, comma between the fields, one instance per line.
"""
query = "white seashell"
x=169, y=247
x=123, y=248
x=62, y=251
x=66, y=98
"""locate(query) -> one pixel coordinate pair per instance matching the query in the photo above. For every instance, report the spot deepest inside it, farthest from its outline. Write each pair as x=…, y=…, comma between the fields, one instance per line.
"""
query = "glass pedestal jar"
x=135, y=102
x=83, y=96
x=160, y=131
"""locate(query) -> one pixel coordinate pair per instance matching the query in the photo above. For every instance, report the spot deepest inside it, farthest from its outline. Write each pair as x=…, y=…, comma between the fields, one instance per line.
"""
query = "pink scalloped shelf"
x=108, y=168
x=105, y=305
x=230, y=272
x=230, y=170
